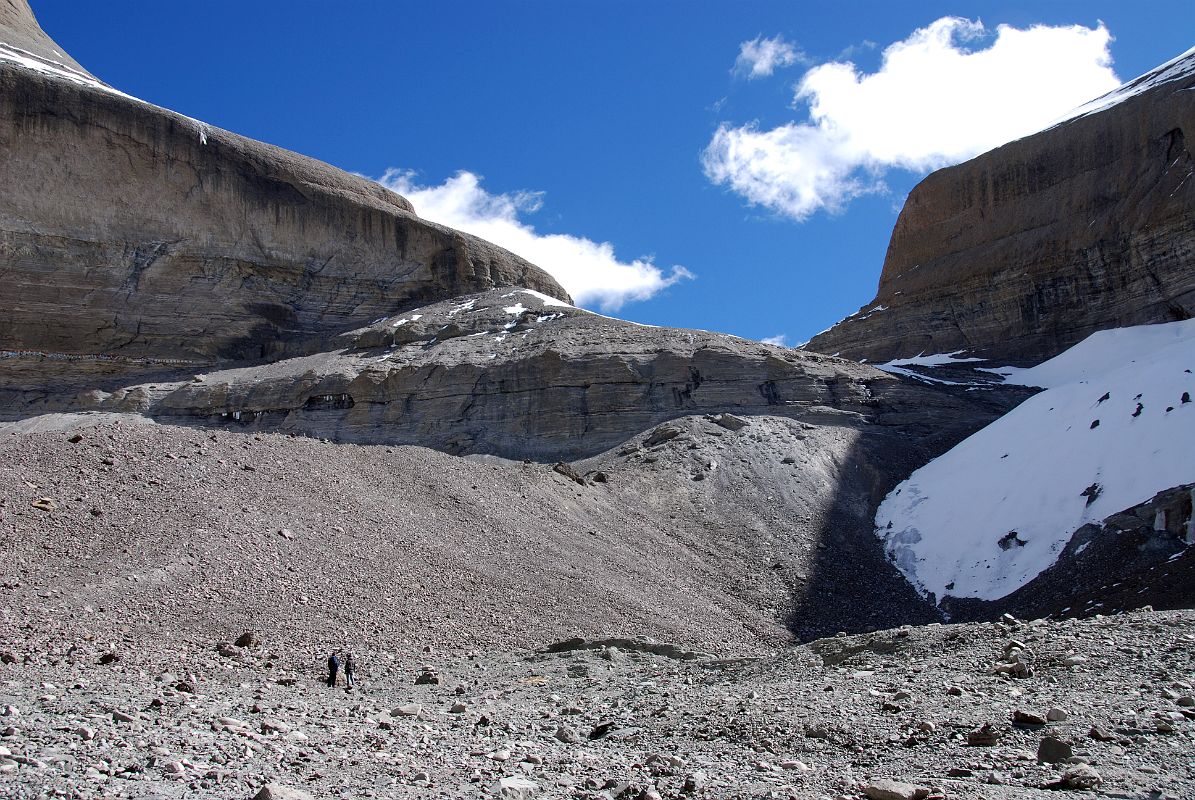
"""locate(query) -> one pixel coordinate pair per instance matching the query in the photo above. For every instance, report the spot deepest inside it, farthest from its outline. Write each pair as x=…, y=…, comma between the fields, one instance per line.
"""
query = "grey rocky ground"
x=834, y=718
x=160, y=545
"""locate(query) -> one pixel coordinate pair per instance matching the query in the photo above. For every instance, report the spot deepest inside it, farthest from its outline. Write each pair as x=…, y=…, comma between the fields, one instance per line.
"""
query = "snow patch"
x=991, y=514
x=547, y=300
x=898, y=366
x=1175, y=69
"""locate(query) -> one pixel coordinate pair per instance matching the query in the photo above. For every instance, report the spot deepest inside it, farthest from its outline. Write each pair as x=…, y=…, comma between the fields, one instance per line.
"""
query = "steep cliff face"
x=1026, y=250
x=131, y=231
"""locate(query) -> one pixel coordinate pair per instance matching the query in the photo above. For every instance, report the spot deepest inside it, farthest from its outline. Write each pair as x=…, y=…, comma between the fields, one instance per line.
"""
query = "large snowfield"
x=988, y=516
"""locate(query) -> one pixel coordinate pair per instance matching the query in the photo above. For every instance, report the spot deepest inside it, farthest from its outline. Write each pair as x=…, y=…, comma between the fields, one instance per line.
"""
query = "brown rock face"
x=1026, y=250
x=127, y=230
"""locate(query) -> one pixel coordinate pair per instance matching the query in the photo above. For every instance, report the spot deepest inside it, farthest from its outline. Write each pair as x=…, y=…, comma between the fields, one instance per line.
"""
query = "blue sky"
x=589, y=123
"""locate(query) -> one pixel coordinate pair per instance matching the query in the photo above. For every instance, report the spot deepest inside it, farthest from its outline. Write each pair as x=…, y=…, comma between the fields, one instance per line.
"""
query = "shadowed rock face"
x=129, y=230
x=1028, y=249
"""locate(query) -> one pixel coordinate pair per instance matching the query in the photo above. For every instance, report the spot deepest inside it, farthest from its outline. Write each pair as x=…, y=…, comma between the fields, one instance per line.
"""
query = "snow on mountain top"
x=991, y=514
x=57, y=69
x=33, y=61
x=1175, y=69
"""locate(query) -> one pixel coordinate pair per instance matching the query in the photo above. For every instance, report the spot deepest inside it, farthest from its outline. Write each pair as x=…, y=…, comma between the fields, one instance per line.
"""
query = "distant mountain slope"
x=20, y=35
x=131, y=232
x=1025, y=250
x=1114, y=428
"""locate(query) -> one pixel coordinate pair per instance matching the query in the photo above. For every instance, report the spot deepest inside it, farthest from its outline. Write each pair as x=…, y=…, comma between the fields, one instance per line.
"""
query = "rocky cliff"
x=1026, y=250
x=131, y=232
x=509, y=372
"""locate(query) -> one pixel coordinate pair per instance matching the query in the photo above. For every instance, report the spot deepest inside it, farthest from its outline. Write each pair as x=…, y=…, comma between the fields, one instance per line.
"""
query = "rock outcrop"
x=131, y=232
x=519, y=374
x=1026, y=250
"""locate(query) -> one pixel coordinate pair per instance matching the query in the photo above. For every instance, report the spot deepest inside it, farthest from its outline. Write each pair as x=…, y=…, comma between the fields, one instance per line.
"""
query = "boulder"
x=885, y=789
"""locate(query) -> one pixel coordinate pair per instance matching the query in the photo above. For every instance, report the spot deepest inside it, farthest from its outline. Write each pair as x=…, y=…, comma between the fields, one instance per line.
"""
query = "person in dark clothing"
x=350, y=671
x=333, y=668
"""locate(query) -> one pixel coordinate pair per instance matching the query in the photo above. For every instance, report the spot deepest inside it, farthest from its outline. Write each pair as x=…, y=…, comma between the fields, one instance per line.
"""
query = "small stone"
x=1100, y=735
x=1056, y=714
x=1080, y=776
x=277, y=791
x=85, y=733
x=515, y=788
x=695, y=782
x=567, y=734
x=987, y=735
x=499, y=755
x=270, y=726
x=247, y=639
x=728, y=421
x=1053, y=751
x=427, y=678
x=885, y=789
x=458, y=708
x=955, y=691
x=121, y=716
x=1074, y=661
x=408, y=710
x=109, y=658
x=1027, y=718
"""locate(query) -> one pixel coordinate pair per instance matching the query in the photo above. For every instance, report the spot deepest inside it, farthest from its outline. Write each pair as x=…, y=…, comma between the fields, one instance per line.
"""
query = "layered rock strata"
x=131, y=232
x=1026, y=250
x=520, y=374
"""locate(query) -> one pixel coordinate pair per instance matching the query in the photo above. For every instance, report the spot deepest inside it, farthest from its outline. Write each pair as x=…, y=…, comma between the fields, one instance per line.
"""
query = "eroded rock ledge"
x=522, y=375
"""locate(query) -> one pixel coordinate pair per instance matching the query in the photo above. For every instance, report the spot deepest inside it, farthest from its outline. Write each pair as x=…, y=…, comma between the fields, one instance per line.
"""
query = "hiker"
x=350, y=671
x=333, y=668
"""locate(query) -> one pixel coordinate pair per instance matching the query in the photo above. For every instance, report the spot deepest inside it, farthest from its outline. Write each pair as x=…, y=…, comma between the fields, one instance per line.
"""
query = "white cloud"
x=778, y=340
x=761, y=57
x=588, y=270
x=935, y=101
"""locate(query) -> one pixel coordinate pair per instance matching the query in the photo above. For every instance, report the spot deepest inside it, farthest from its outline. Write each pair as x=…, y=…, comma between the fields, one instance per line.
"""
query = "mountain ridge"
x=1025, y=250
